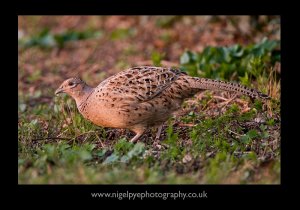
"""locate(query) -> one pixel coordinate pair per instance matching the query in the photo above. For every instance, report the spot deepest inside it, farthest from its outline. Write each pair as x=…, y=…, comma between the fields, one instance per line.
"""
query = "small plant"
x=219, y=168
x=225, y=62
x=45, y=39
x=249, y=136
x=125, y=151
x=123, y=146
x=157, y=58
x=122, y=33
x=174, y=151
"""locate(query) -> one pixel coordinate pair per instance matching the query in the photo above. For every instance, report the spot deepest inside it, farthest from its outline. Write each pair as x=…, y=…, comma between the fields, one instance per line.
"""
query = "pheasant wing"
x=141, y=83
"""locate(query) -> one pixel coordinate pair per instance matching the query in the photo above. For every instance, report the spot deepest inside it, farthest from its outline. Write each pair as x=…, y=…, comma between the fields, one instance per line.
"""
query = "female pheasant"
x=141, y=97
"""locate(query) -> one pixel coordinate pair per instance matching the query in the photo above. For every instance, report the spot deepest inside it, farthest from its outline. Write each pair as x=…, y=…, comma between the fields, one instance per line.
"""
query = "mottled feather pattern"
x=204, y=83
x=144, y=83
x=141, y=97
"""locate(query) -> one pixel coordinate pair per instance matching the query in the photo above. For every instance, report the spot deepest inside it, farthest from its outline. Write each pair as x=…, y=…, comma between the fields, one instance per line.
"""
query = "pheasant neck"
x=83, y=95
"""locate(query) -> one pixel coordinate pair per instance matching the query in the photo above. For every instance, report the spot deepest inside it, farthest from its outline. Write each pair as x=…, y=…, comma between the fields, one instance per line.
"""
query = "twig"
x=81, y=135
x=219, y=97
x=206, y=105
x=62, y=133
x=50, y=138
x=186, y=124
x=223, y=104
x=60, y=138
x=99, y=140
x=235, y=133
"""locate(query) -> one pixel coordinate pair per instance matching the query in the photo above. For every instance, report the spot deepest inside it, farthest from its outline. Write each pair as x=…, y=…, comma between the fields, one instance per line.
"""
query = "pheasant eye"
x=71, y=83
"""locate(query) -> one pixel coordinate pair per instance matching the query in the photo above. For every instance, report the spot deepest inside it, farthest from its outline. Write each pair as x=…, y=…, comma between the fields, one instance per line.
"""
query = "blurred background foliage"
x=210, y=46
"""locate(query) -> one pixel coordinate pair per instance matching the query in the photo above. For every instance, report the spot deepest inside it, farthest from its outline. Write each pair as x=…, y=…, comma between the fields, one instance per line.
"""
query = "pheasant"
x=141, y=97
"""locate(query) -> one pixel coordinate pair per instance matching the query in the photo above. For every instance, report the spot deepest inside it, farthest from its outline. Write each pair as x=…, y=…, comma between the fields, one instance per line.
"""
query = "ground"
x=217, y=137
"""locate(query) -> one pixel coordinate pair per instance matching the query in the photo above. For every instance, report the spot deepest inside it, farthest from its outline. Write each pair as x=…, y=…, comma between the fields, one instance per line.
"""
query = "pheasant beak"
x=59, y=90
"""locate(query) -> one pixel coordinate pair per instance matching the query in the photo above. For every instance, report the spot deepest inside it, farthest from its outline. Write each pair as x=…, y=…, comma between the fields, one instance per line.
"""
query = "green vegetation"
x=220, y=138
x=230, y=62
x=122, y=33
x=157, y=58
x=46, y=39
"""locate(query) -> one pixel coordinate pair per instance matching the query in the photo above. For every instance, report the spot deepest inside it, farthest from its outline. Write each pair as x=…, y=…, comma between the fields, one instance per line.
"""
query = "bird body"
x=141, y=97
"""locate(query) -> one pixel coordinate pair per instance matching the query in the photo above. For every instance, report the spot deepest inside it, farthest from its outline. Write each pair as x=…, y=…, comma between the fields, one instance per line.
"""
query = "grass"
x=221, y=149
x=215, y=141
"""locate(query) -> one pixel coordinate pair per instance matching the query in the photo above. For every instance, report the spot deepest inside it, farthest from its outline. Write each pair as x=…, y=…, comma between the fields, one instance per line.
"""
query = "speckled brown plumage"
x=141, y=97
